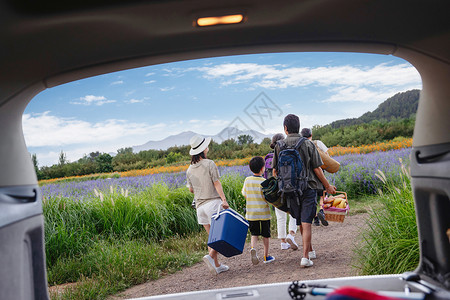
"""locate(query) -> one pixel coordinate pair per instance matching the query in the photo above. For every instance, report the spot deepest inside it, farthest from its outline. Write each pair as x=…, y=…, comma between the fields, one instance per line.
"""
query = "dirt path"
x=333, y=245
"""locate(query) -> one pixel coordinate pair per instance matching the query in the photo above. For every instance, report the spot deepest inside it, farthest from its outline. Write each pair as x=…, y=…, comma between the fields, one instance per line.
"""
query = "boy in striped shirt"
x=258, y=212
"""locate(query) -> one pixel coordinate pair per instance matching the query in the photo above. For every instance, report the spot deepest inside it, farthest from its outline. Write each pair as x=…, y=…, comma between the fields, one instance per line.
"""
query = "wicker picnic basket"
x=335, y=214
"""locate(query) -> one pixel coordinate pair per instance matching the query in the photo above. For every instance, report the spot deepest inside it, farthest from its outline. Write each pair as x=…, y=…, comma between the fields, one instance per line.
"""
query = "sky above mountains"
x=131, y=107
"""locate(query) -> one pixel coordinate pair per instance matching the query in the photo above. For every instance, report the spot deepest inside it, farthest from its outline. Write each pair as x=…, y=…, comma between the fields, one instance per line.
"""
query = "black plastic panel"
x=22, y=255
x=430, y=169
x=17, y=203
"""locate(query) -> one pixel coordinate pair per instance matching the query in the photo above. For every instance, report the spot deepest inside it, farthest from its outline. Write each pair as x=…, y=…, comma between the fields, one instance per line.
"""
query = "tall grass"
x=232, y=188
x=111, y=266
x=113, y=240
x=72, y=228
x=390, y=243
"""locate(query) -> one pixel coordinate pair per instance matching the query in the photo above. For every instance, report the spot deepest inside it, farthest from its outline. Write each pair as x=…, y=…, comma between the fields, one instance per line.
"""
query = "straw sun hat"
x=198, y=144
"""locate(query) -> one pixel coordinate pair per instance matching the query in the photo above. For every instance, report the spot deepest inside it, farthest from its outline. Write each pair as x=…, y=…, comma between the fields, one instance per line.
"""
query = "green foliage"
x=124, y=151
x=232, y=187
x=173, y=157
x=393, y=118
x=400, y=106
x=390, y=244
x=364, y=134
x=104, y=163
x=245, y=139
x=62, y=160
x=113, y=265
x=158, y=212
x=35, y=164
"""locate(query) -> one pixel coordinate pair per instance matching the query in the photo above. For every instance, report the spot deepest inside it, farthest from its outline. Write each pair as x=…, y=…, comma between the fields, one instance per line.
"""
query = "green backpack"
x=272, y=194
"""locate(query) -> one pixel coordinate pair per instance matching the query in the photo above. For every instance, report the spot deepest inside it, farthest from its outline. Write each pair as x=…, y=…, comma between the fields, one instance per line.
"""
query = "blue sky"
x=131, y=107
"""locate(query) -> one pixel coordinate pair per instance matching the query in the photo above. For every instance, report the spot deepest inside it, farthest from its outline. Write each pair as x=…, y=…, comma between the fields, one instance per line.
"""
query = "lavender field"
x=356, y=176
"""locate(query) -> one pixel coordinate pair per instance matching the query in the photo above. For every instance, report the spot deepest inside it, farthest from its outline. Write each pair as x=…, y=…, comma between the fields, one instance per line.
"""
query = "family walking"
x=203, y=180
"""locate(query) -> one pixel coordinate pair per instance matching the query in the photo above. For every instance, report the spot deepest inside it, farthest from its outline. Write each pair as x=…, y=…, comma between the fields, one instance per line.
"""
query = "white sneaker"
x=255, y=259
x=290, y=239
x=222, y=268
x=285, y=246
x=305, y=263
x=209, y=261
x=312, y=254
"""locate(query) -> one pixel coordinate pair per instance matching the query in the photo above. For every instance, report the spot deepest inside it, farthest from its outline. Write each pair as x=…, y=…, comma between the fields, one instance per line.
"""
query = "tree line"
x=125, y=159
x=400, y=106
x=363, y=134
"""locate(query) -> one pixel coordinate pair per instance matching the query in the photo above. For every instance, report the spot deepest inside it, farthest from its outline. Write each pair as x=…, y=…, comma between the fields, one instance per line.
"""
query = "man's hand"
x=225, y=204
x=331, y=189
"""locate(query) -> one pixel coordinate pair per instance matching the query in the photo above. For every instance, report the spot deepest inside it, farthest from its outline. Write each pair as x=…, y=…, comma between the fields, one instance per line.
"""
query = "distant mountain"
x=184, y=138
x=400, y=106
x=173, y=140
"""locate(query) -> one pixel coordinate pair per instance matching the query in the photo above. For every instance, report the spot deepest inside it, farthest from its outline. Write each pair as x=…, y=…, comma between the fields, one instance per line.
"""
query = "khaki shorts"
x=205, y=211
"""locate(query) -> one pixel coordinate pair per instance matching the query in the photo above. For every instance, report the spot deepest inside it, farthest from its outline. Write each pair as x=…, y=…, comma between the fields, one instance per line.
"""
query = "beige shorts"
x=205, y=211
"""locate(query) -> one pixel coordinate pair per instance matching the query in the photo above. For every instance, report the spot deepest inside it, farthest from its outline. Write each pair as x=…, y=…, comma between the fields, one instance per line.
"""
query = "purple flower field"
x=357, y=172
x=82, y=190
x=357, y=175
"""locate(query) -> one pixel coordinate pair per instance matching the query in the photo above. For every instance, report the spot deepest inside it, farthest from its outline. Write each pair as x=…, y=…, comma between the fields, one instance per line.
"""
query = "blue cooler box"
x=228, y=232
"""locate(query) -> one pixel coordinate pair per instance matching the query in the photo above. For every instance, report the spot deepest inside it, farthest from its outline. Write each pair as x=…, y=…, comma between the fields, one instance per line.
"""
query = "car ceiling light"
x=228, y=19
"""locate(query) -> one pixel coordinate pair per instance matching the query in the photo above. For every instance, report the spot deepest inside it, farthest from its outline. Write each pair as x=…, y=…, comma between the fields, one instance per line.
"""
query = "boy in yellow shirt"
x=258, y=212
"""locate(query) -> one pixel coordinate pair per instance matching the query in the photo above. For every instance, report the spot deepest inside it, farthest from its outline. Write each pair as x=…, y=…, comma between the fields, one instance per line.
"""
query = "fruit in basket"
x=328, y=199
x=337, y=201
x=343, y=204
x=327, y=205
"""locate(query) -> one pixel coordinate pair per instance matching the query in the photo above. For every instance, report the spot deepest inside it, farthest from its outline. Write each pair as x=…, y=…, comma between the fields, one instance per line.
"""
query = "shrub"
x=390, y=244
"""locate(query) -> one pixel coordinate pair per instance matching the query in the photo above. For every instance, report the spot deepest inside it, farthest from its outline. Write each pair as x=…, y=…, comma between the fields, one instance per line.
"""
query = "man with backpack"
x=296, y=164
x=320, y=215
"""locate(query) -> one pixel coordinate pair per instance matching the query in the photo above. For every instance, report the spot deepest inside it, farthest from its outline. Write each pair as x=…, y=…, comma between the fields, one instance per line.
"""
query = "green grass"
x=71, y=227
x=232, y=188
x=390, y=244
x=364, y=204
x=109, y=267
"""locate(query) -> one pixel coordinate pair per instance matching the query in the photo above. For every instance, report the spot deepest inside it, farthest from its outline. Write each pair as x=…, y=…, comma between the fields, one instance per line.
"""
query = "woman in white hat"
x=203, y=180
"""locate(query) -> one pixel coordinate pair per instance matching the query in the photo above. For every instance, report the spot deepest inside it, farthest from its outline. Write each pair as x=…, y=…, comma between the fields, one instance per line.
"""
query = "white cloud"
x=117, y=82
x=359, y=83
x=166, y=89
x=351, y=93
x=149, y=82
x=135, y=101
x=174, y=72
x=93, y=100
x=47, y=130
x=150, y=74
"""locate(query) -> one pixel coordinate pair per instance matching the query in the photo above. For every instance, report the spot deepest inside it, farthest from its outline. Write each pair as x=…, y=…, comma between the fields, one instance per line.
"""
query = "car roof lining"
x=90, y=71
